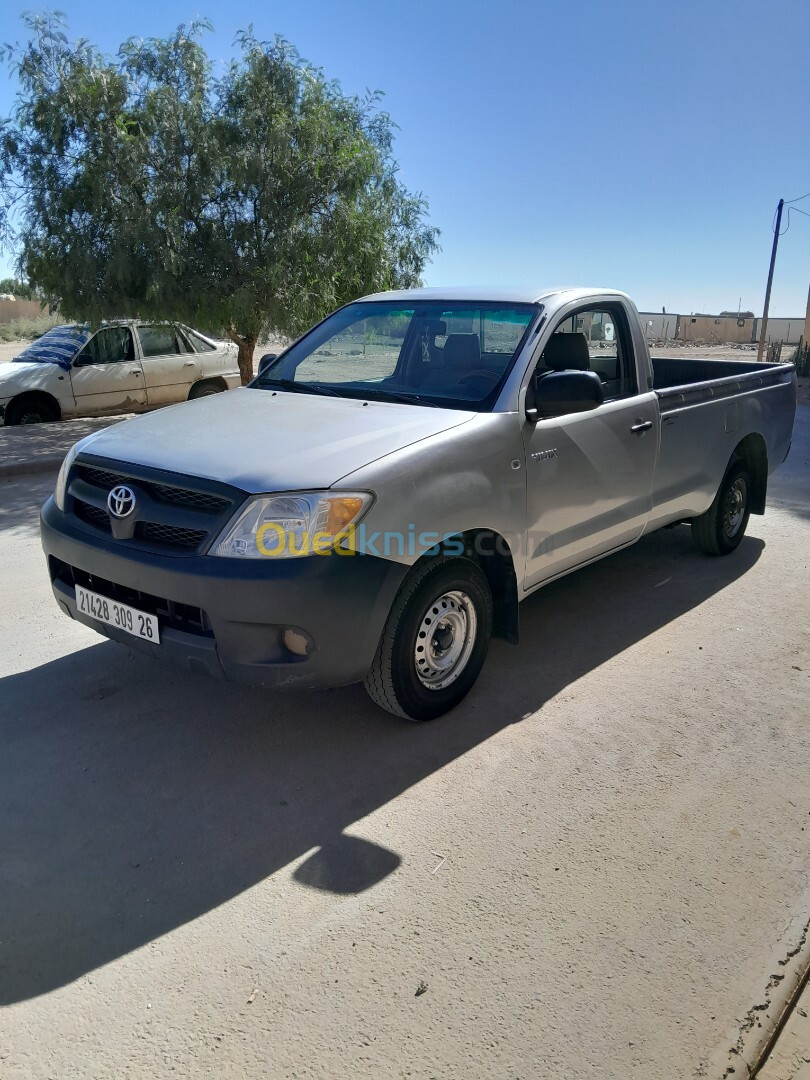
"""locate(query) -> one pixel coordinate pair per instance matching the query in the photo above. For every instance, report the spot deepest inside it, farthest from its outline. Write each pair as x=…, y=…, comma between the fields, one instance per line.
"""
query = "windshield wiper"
x=351, y=391
x=393, y=395
x=300, y=387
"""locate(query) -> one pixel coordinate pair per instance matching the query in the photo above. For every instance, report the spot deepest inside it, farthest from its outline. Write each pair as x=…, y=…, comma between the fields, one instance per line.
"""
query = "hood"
x=15, y=375
x=260, y=441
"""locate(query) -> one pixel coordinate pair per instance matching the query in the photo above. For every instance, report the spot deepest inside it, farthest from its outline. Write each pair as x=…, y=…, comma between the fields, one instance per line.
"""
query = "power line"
x=790, y=210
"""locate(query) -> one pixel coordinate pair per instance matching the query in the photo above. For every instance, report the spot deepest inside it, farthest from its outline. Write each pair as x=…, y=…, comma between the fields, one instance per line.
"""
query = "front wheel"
x=435, y=640
x=720, y=530
x=32, y=410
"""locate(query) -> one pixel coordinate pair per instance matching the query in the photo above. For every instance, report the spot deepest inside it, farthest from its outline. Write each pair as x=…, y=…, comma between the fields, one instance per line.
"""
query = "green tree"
x=21, y=289
x=251, y=202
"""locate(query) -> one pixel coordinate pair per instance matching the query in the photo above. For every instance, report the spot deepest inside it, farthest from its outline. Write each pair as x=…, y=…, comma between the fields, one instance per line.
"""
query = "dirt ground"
x=10, y=349
x=707, y=352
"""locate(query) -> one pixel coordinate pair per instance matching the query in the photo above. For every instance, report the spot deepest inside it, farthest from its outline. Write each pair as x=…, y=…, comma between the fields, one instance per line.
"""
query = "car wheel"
x=435, y=640
x=29, y=412
x=720, y=530
x=205, y=389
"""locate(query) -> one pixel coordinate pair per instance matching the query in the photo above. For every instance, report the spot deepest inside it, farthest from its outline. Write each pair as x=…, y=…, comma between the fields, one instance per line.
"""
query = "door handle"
x=641, y=426
x=135, y=371
x=188, y=363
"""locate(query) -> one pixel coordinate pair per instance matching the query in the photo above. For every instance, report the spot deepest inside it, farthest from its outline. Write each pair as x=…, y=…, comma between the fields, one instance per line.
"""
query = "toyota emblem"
x=121, y=501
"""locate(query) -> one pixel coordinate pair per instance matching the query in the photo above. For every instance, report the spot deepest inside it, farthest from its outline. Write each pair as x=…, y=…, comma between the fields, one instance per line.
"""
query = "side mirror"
x=83, y=359
x=267, y=361
x=561, y=392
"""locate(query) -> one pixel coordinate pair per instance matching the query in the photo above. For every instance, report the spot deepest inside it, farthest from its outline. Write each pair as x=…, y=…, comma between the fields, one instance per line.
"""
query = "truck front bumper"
x=227, y=617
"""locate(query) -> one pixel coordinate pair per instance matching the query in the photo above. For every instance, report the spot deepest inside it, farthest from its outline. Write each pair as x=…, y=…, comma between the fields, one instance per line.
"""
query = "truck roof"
x=498, y=295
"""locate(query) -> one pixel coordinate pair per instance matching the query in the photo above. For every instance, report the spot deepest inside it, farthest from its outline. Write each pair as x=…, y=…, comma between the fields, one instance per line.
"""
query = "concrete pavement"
x=41, y=448
x=594, y=866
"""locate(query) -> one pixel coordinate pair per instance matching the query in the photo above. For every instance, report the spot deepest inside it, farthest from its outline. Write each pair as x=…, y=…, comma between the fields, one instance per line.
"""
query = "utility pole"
x=807, y=322
x=762, y=332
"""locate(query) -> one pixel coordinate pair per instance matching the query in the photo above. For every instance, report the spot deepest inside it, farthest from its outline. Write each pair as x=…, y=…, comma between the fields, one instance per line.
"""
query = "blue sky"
x=636, y=145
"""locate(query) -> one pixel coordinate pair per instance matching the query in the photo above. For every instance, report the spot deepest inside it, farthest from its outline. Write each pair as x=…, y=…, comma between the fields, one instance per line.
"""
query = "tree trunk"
x=244, y=357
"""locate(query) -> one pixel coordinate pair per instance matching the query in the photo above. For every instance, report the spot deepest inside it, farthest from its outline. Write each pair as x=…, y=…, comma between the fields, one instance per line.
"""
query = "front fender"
x=468, y=478
x=51, y=379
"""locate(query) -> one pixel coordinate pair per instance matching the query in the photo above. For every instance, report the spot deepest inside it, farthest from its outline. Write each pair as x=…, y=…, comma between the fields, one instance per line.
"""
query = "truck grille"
x=170, y=613
x=171, y=535
x=93, y=515
x=175, y=496
x=174, y=515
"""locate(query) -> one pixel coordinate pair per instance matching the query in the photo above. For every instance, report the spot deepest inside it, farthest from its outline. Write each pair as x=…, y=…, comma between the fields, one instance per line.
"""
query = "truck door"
x=106, y=377
x=589, y=475
x=170, y=365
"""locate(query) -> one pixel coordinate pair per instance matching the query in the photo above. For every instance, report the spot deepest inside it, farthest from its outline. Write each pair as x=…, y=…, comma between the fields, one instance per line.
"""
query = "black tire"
x=456, y=595
x=720, y=530
x=30, y=410
x=205, y=388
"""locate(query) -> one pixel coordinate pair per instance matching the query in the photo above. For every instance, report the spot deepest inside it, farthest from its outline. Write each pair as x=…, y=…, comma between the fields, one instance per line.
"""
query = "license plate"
x=122, y=616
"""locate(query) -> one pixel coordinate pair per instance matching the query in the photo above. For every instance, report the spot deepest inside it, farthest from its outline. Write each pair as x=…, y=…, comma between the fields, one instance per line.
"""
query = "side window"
x=599, y=342
x=198, y=344
x=183, y=344
x=111, y=345
x=161, y=340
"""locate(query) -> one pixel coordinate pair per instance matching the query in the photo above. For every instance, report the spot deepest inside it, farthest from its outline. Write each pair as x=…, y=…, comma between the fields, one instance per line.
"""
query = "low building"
x=716, y=329
x=739, y=329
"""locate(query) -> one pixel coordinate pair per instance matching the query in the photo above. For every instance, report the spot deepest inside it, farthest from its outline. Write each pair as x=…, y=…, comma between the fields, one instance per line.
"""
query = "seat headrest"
x=567, y=352
x=462, y=351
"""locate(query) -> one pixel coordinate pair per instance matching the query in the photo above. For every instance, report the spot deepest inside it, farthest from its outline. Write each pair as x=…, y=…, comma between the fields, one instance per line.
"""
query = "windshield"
x=455, y=354
x=56, y=346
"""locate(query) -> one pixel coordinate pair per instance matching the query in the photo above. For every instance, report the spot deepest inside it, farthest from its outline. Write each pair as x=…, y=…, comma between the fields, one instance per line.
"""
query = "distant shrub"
x=27, y=329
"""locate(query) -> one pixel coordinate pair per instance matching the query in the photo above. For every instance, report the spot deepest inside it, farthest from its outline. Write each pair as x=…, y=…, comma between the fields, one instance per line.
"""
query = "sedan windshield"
x=454, y=354
x=56, y=346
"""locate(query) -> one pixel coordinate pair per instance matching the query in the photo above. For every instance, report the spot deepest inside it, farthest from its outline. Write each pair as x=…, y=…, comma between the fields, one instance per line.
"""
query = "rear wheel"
x=33, y=410
x=206, y=388
x=435, y=640
x=720, y=530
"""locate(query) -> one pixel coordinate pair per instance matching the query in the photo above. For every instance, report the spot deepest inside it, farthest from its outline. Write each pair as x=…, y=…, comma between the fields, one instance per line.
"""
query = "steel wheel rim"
x=734, y=509
x=445, y=639
x=31, y=417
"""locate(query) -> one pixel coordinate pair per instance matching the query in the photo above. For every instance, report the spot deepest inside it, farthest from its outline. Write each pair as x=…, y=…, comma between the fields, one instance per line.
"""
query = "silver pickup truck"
x=379, y=501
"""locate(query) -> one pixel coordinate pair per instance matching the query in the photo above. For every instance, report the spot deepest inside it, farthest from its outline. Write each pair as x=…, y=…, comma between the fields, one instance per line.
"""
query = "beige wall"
x=20, y=309
x=787, y=330
x=711, y=328
x=663, y=326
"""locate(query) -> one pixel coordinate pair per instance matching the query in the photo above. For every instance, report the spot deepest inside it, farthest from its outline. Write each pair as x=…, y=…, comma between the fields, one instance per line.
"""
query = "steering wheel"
x=479, y=373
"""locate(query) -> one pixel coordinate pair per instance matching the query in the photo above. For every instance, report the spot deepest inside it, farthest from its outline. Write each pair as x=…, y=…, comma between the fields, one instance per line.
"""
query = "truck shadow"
x=135, y=798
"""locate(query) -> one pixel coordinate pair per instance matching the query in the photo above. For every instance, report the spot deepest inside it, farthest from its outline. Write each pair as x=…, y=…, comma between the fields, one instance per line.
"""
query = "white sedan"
x=73, y=371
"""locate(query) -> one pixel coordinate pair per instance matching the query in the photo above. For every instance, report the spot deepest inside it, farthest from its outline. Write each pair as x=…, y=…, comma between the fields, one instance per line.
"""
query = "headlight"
x=61, y=479
x=288, y=526
x=64, y=469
